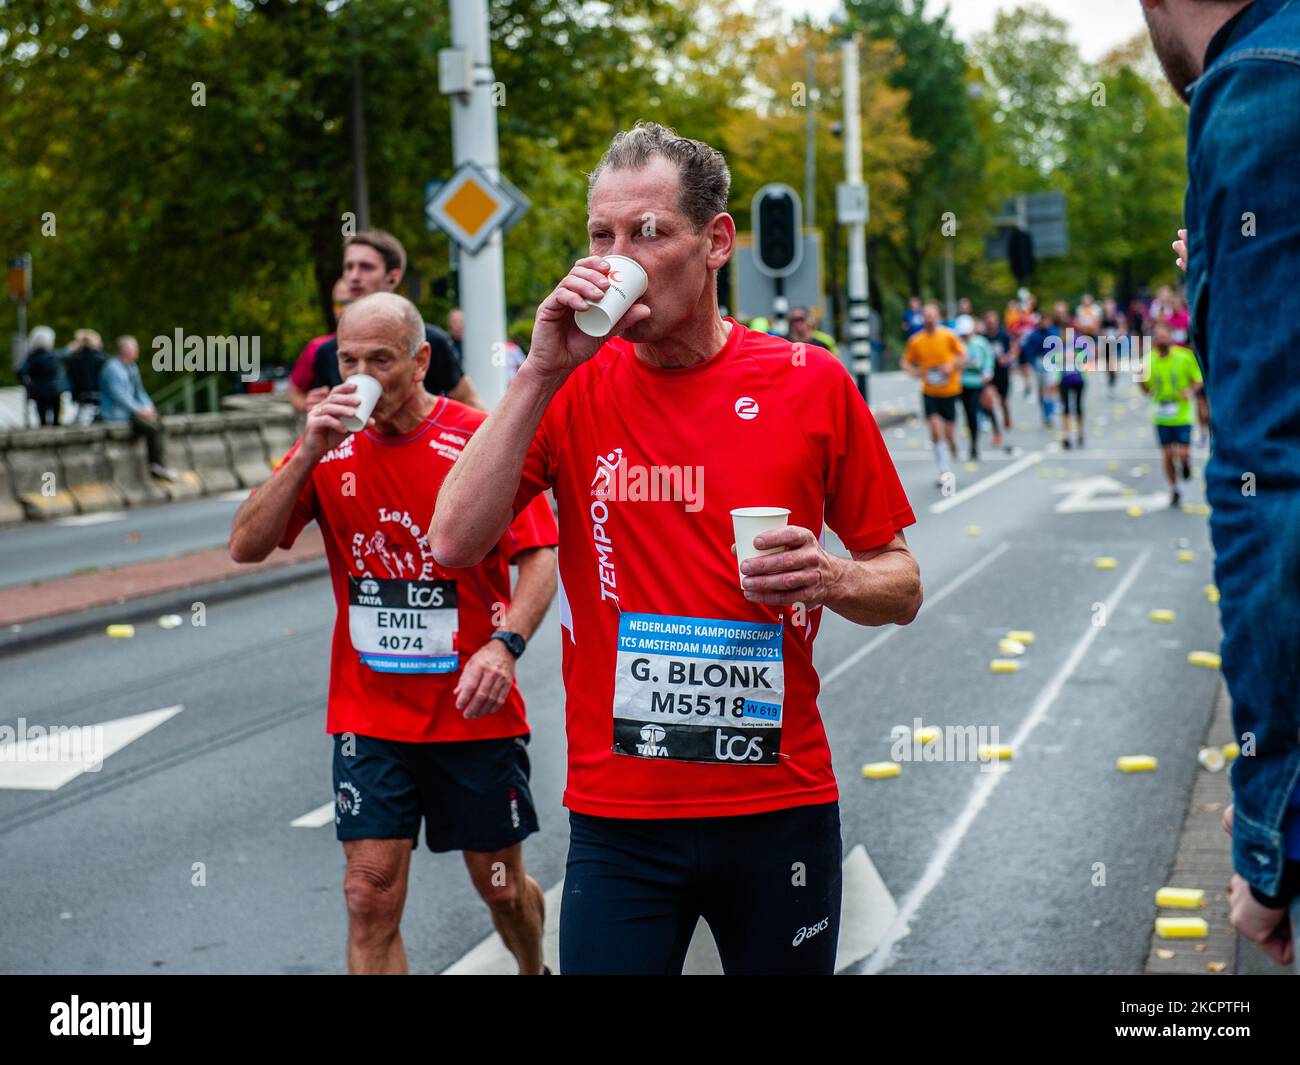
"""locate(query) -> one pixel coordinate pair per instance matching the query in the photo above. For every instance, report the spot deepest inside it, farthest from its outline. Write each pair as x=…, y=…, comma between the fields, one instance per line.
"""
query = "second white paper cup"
x=369, y=390
x=748, y=522
x=627, y=282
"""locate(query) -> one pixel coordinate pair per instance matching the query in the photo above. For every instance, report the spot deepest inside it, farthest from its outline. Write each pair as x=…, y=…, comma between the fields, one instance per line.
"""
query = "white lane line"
x=956, y=832
x=91, y=519
x=988, y=482
x=930, y=601
x=867, y=914
x=46, y=757
x=317, y=818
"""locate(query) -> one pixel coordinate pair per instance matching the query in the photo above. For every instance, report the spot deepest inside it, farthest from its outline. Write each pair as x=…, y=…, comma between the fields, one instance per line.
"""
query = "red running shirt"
x=303, y=374
x=406, y=625
x=684, y=699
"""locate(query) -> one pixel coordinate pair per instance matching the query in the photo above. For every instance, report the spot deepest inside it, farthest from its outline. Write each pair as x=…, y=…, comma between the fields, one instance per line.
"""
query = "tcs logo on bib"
x=726, y=750
x=423, y=597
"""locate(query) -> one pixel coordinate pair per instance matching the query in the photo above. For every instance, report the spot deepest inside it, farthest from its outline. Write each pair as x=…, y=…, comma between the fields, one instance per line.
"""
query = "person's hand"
x=1227, y=818
x=803, y=573
x=485, y=681
x=315, y=396
x=148, y=414
x=1269, y=929
x=947, y=367
x=559, y=346
x=1180, y=248
x=325, y=429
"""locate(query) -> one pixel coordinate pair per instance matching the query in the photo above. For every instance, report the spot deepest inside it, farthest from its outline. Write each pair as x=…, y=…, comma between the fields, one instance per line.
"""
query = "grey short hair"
x=40, y=338
x=704, y=177
x=394, y=307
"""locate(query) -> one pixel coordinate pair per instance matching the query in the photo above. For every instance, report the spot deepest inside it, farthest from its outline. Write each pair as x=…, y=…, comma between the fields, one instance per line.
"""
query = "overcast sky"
x=1097, y=25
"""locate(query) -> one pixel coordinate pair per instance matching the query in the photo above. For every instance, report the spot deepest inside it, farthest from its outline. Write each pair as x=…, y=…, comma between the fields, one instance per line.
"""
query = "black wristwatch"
x=515, y=643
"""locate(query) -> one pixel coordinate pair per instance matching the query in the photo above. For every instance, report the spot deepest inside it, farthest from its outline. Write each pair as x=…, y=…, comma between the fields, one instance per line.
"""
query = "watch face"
x=513, y=641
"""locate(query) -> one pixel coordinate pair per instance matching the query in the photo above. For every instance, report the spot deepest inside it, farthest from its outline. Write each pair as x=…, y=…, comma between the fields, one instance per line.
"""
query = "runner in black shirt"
x=374, y=261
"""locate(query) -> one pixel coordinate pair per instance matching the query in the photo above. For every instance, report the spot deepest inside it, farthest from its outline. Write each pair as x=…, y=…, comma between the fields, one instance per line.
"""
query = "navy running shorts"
x=472, y=795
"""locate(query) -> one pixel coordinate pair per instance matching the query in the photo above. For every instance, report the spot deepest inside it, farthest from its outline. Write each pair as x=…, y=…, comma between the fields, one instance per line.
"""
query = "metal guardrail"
x=180, y=396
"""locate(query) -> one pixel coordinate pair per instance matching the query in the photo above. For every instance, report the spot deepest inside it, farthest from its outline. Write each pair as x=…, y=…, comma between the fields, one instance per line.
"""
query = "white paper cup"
x=748, y=522
x=369, y=390
x=627, y=281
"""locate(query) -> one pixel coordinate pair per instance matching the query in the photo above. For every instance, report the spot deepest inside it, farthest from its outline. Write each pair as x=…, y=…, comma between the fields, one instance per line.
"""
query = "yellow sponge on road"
x=1162, y=615
x=121, y=630
x=1004, y=665
x=1178, y=898
x=1208, y=659
x=988, y=752
x=1136, y=763
x=1182, y=927
x=1021, y=636
x=1106, y=562
x=881, y=770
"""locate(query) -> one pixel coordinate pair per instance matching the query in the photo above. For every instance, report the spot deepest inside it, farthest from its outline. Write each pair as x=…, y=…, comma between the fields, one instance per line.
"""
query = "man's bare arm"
x=261, y=522
x=880, y=587
x=475, y=503
x=534, y=590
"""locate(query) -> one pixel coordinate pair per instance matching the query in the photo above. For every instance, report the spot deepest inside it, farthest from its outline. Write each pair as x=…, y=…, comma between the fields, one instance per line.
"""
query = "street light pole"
x=474, y=140
x=859, y=313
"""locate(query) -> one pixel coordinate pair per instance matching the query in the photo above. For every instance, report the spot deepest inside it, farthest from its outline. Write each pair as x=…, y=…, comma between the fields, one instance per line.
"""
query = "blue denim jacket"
x=121, y=392
x=1242, y=213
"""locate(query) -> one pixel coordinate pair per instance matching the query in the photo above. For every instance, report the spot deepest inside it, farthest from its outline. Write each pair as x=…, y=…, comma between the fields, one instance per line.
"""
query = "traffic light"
x=1020, y=254
x=778, y=242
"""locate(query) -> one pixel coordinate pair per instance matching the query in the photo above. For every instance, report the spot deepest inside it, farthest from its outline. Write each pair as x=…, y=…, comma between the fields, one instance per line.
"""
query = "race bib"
x=698, y=690
x=936, y=377
x=1166, y=410
x=399, y=626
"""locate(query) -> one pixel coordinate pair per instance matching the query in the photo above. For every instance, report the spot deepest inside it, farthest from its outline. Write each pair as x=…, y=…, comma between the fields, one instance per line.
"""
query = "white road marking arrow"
x=868, y=912
x=317, y=818
x=46, y=762
x=1081, y=496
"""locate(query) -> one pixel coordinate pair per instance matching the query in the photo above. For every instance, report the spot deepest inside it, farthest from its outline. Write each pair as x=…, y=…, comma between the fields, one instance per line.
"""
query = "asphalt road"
x=1048, y=864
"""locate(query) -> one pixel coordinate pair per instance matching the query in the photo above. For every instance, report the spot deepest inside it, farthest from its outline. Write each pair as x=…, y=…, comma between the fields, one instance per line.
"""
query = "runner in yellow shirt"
x=1173, y=381
x=935, y=356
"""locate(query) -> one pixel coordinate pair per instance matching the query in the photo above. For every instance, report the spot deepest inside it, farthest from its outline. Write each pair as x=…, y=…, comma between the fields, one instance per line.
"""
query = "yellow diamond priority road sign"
x=469, y=207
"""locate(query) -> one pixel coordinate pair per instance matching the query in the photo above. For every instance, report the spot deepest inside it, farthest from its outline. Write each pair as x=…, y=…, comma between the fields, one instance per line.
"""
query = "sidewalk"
x=1204, y=860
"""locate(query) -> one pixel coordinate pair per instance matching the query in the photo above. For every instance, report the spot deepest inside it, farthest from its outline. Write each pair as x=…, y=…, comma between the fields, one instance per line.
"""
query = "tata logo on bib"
x=369, y=587
x=651, y=735
x=747, y=408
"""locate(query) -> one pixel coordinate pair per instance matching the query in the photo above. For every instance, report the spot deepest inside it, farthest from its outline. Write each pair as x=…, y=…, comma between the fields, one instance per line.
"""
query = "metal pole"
x=949, y=278
x=859, y=315
x=810, y=145
x=474, y=139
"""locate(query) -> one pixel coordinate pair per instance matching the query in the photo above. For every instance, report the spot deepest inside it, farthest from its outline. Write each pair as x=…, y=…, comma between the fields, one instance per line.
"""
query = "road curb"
x=62, y=627
x=1203, y=859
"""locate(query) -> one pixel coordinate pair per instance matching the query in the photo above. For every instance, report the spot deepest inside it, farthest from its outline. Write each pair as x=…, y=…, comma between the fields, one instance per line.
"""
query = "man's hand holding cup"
x=559, y=344
x=329, y=420
x=786, y=563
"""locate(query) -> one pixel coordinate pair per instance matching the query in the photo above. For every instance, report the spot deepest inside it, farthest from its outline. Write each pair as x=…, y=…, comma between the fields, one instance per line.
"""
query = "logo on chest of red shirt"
x=397, y=548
